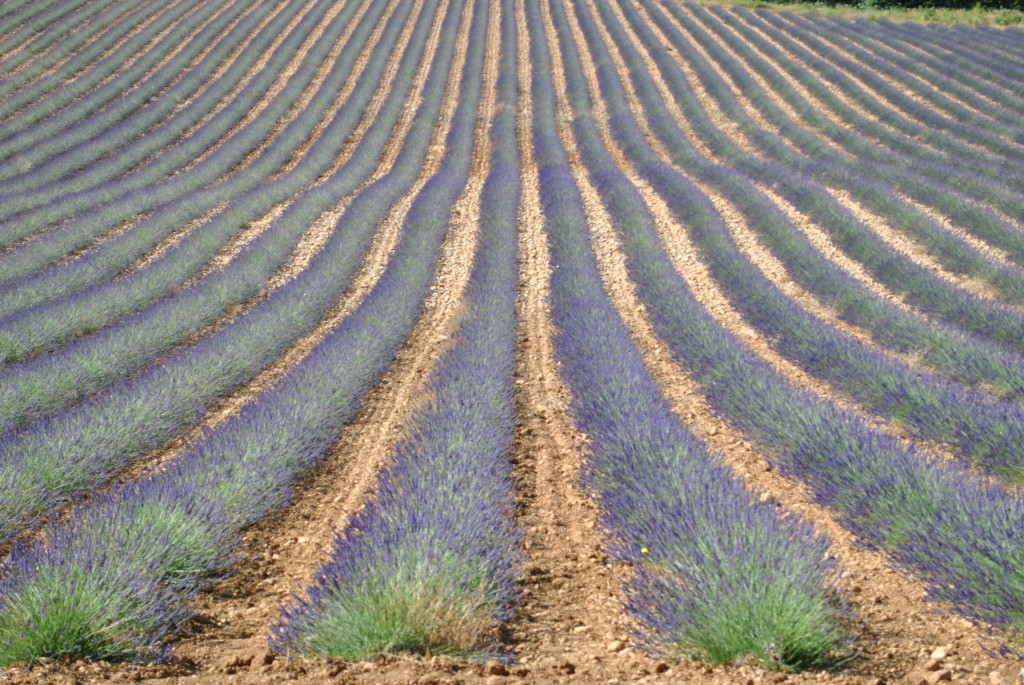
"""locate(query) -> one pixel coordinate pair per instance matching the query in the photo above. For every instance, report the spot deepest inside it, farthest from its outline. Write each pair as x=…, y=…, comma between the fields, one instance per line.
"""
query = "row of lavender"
x=39, y=25
x=430, y=563
x=129, y=344
x=50, y=104
x=107, y=431
x=979, y=429
x=871, y=176
x=83, y=589
x=918, y=285
x=954, y=532
x=168, y=203
x=228, y=41
x=69, y=54
x=964, y=358
x=716, y=576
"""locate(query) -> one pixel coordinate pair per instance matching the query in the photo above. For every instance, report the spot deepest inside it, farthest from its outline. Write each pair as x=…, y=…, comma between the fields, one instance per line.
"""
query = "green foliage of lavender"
x=695, y=540
x=247, y=466
x=955, y=532
x=430, y=564
x=62, y=454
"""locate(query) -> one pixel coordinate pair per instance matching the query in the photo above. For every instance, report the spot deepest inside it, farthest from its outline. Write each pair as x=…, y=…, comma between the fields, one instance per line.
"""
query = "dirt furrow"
x=690, y=265
x=252, y=230
x=84, y=46
x=898, y=625
x=918, y=99
x=281, y=555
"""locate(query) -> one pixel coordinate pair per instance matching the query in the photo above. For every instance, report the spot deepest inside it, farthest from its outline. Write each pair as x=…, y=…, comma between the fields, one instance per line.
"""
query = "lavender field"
x=526, y=341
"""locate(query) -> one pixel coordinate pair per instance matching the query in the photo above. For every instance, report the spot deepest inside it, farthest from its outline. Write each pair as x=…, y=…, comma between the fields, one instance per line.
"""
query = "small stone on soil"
x=495, y=668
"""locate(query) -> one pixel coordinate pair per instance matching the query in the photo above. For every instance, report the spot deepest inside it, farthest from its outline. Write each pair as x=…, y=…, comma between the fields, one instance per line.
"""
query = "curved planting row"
x=246, y=466
x=33, y=34
x=955, y=532
x=110, y=430
x=942, y=93
x=130, y=318
x=978, y=429
x=958, y=152
x=947, y=189
x=940, y=69
x=64, y=109
x=715, y=576
x=915, y=142
x=967, y=359
x=70, y=55
x=919, y=286
x=99, y=360
x=430, y=563
x=170, y=205
x=100, y=158
x=93, y=203
x=870, y=178
x=980, y=63
x=995, y=140
x=15, y=13
x=140, y=23
x=44, y=326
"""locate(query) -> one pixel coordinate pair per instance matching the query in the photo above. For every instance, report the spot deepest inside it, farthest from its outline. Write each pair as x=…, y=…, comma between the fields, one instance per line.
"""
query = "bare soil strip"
x=824, y=36
x=904, y=244
x=281, y=555
x=84, y=46
x=898, y=625
x=687, y=260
